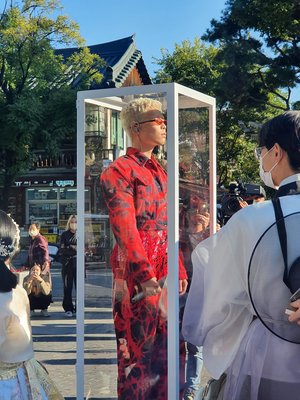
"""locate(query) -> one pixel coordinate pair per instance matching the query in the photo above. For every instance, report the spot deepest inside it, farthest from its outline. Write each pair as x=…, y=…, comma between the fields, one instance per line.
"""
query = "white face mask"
x=266, y=176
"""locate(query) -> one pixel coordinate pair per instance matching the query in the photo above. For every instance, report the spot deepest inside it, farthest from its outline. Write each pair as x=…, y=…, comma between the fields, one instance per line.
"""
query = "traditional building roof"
x=121, y=57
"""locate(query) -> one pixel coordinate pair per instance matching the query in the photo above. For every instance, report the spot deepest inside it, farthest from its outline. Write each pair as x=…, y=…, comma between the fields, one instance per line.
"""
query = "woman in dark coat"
x=67, y=252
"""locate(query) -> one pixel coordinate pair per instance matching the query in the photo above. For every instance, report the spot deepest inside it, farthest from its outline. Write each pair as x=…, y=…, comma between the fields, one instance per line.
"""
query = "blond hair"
x=132, y=111
x=69, y=221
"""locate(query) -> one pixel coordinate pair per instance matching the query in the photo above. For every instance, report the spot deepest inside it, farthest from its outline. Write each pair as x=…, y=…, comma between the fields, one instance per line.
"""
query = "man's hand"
x=183, y=283
x=243, y=203
x=151, y=287
x=204, y=220
x=295, y=316
x=120, y=288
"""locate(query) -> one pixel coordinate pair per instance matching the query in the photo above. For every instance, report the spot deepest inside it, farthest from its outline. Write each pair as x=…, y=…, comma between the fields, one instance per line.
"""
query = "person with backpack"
x=242, y=283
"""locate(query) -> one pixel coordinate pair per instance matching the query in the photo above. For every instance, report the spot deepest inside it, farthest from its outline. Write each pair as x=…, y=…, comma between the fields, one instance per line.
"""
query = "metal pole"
x=212, y=168
x=173, y=239
x=80, y=249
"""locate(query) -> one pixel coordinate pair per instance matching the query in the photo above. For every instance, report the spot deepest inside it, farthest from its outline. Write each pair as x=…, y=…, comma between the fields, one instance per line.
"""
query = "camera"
x=234, y=200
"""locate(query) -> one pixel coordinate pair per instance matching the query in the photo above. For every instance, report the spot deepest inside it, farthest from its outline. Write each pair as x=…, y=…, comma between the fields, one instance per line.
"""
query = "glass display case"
x=189, y=156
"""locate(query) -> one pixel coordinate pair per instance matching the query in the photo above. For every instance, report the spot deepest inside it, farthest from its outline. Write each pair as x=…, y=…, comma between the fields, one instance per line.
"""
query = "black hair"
x=8, y=280
x=37, y=224
x=284, y=130
x=9, y=242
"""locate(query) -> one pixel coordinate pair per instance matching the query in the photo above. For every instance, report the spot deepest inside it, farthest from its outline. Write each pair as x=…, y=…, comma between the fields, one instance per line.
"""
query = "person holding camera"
x=38, y=288
x=38, y=254
x=238, y=296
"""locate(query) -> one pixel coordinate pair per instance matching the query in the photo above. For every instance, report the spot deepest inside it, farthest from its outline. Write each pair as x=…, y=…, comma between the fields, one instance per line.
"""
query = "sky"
x=157, y=24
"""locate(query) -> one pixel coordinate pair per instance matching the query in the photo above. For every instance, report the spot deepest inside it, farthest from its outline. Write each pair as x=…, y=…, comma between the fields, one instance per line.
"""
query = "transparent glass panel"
x=194, y=215
x=67, y=194
x=41, y=194
x=134, y=334
x=125, y=244
x=44, y=212
x=65, y=210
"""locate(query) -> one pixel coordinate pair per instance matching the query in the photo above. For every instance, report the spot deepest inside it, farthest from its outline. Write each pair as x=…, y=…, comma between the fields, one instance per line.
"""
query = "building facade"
x=47, y=193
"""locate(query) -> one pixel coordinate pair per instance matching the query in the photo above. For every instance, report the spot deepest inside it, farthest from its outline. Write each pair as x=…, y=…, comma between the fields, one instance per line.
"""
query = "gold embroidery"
x=37, y=378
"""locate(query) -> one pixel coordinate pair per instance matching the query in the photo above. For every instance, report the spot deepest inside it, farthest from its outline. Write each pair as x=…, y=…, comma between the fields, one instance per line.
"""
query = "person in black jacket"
x=67, y=252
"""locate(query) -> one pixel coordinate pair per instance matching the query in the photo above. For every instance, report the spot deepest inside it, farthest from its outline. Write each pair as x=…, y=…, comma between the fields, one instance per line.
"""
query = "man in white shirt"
x=235, y=308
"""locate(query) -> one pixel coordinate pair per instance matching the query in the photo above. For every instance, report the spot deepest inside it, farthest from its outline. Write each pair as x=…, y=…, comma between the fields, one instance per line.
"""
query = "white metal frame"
x=110, y=98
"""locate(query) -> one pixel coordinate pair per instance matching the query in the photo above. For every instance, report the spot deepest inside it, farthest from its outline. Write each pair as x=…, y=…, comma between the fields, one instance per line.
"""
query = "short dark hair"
x=37, y=224
x=284, y=130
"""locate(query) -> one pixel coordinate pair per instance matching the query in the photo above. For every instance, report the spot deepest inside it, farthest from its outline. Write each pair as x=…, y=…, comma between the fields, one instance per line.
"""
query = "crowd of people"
x=38, y=282
x=239, y=313
x=21, y=376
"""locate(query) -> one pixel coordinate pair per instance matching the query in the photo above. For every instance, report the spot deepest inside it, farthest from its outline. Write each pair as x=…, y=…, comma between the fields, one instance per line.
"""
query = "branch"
x=2, y=70
x=278, y=94
x=270, y=104
x=279, y=50
x=4, y=11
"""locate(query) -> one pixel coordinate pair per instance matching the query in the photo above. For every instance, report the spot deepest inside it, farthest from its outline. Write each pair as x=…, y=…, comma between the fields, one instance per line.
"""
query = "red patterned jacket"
x=135, y=191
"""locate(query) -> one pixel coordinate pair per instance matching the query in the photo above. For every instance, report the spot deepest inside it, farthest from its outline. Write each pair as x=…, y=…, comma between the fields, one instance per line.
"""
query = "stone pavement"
x=55, y=339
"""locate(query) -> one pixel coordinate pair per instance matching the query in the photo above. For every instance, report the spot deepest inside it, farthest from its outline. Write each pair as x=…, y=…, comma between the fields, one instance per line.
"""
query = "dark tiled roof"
x=121, y=56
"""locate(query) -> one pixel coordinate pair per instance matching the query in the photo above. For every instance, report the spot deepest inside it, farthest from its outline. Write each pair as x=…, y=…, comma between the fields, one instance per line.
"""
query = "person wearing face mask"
x=38, y=249
x=38, y=254
x=67, y=253
x=236, y=307
x=21, y=376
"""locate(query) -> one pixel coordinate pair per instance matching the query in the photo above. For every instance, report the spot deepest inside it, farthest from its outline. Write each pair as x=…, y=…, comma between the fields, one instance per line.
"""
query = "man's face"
x=154, y=132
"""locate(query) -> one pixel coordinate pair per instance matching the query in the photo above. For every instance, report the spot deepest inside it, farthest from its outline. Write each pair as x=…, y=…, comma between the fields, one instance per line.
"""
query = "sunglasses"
x=258, y=151
x=158, y=121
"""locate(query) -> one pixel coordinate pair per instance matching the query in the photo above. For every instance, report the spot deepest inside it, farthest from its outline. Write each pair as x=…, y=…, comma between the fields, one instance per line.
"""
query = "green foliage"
x=198, y=62
x=37, y=96
x=260, y=42
x=204, y=68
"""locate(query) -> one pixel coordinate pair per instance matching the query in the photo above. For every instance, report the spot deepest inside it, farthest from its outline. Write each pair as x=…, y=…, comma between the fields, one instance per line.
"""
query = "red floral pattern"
x=135, y=191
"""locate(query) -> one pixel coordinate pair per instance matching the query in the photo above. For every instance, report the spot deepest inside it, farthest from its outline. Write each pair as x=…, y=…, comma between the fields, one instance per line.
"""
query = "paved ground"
x=55, y=339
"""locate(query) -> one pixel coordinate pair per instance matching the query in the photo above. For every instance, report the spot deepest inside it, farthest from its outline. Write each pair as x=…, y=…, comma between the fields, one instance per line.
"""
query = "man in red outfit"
x=135, y=191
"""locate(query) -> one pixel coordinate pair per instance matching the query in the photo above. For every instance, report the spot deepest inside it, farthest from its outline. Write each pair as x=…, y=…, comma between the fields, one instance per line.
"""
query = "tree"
x=200, y=67
x=259, y=40
x=37, y=96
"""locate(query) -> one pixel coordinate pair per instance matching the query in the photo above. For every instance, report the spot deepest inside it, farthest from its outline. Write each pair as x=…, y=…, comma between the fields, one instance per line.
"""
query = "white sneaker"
x=44, y=313
x=68, y=314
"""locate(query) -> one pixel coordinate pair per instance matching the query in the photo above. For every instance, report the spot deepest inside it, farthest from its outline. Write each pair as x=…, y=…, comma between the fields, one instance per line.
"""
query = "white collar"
x=289, y=179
